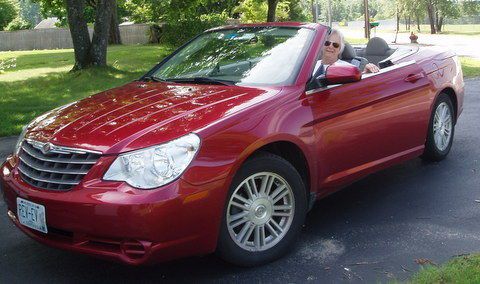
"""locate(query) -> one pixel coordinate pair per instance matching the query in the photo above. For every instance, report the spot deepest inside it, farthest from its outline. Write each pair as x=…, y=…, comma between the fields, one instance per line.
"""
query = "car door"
x=361, y=126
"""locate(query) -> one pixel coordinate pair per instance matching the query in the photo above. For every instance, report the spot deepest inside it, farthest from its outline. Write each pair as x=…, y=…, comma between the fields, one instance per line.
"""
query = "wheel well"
x=453, y=97
x=294, y=155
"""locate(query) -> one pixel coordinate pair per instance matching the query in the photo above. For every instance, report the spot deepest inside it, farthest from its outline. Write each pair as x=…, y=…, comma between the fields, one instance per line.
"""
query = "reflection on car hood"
x=119, y=119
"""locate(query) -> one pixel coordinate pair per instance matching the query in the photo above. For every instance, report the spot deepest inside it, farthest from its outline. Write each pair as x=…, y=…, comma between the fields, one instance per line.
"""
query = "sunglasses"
x=335, y=44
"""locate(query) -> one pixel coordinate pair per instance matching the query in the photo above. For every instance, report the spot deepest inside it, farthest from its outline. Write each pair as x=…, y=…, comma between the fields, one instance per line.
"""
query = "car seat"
x=377, y=50
x=350, y=56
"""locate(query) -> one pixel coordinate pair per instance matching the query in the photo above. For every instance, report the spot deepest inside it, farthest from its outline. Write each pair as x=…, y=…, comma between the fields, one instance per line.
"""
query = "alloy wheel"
x=442, y=126
x=260, y=211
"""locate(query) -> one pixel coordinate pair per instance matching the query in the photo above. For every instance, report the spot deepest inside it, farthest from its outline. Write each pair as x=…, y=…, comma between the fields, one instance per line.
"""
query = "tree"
x=57, y=8
x=8, y=12
x=470, y=7
x=30, y=12
x=94, y=52
x=431, y=15
x=272, y=8
x=18, y=24
x=88, y=52
x=296, y=12
x=257, y=11
x=114, y=31
x=445, y=9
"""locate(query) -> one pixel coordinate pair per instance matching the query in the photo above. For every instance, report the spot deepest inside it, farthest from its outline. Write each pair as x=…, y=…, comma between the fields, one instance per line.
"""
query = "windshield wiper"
x=152, y=79
x=202, y=80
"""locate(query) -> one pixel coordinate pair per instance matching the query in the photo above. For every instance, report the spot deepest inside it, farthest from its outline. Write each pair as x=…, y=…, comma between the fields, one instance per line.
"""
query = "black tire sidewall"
x=227, y=249
x=431, y=150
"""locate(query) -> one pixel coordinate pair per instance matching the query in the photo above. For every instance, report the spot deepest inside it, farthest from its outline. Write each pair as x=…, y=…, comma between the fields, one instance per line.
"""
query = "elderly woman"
x=334, y=46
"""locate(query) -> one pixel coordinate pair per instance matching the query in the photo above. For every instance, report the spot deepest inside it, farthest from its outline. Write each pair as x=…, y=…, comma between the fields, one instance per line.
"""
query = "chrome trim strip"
x=52, y=170
x=60, y=149
x=57, y=160
x=54, y=181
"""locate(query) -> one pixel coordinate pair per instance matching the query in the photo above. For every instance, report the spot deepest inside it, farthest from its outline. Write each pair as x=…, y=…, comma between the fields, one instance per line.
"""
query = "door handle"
x=412, y=78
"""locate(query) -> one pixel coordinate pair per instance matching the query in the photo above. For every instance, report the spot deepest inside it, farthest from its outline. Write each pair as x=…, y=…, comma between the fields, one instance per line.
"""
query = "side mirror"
x=335, y=74
x=342, y=74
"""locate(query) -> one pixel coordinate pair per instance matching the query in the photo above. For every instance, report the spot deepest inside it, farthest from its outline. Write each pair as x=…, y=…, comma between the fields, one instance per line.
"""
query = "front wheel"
x=441, y=130
x=265, y=210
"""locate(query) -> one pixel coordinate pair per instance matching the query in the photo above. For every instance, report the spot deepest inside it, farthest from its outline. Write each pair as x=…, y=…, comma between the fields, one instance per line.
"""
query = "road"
x=371, y=231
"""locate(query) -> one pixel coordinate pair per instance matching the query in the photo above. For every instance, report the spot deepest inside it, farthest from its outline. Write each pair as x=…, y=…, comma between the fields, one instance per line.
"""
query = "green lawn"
x=463, y=269
x=41, y=81
x=469, y=30
x=470, y=66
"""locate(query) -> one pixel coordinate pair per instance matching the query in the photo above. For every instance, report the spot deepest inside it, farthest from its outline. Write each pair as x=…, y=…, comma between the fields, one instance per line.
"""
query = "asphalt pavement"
x=371, y=231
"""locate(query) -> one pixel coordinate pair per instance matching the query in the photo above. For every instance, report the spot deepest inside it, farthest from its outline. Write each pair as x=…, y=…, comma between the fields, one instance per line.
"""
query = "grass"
x=468, y=30
x=470, y=67
x=461, y=30
x=356, y=40
x=40, y=81
x=464, y=269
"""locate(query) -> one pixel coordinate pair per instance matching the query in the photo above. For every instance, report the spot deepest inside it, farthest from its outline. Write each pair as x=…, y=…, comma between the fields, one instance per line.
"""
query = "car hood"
x=141, y=114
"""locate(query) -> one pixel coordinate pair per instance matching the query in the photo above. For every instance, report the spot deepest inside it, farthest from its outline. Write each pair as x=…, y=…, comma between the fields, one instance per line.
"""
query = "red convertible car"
x=226, y=144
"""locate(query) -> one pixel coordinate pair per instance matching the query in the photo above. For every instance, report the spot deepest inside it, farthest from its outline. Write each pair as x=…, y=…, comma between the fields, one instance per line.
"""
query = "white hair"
x=342, y=40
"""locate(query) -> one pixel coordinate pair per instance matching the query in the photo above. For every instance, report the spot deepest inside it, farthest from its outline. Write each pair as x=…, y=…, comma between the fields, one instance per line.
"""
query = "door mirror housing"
x=335, y=74
x=342, y=74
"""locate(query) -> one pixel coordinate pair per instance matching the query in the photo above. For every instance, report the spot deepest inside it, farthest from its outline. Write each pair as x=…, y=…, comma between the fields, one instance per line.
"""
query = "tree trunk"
x=79, y=33
x=418, y=22
x=272, y=7
x=431, y=17
x=114, y=34
x=398, y=19
x=440, y=24
x=100, y=31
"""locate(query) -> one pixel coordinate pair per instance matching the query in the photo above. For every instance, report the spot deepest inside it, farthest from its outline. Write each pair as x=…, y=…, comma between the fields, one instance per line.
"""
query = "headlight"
x=154, y=166
x=18, y=146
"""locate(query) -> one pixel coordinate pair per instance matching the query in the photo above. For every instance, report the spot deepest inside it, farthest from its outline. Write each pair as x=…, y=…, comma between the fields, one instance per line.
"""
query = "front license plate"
x=32, y=215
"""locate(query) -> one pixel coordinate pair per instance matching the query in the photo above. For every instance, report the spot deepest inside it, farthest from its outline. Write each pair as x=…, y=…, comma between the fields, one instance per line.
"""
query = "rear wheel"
x=264, y=213
x=440, y=130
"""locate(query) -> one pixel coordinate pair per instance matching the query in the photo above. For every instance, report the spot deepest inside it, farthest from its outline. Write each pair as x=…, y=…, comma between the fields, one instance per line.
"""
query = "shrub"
x=178, y=32
x=18, y=24
x=8, y=12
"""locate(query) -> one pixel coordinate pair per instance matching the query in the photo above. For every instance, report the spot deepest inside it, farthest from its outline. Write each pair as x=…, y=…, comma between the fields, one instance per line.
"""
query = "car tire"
x=264, y=211
x=442, y=124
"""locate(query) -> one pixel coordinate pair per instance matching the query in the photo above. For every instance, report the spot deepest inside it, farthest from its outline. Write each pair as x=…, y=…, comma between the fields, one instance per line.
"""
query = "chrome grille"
x=52, y=167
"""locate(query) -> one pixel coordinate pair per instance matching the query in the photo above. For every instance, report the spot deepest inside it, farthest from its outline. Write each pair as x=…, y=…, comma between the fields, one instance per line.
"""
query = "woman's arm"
x=371, y=68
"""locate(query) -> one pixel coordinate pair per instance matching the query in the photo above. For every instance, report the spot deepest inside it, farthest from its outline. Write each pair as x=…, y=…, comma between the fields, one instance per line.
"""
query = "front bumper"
x=115, y=221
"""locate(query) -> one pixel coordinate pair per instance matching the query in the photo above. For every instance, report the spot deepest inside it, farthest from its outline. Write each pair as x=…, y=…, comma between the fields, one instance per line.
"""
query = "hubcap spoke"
x=277, y=191
x=257, y=238
x=260, y=211
x=237, y=216
x=238, y=223
x=243, y=232
x=249, y=190
x=238, y=205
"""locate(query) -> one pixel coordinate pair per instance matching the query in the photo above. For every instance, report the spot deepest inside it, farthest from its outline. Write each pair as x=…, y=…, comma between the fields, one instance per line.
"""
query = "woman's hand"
x=371, y=68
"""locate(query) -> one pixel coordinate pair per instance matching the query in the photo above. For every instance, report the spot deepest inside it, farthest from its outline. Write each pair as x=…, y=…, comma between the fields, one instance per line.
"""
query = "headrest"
x=376, y=46
x=348, y=52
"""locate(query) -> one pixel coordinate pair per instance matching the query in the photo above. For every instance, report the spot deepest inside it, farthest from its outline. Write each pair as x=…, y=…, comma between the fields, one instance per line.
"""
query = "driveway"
x=374, y=230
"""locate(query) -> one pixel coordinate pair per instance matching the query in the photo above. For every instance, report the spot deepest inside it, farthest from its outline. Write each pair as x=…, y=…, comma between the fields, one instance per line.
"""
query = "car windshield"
x=242, y=56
